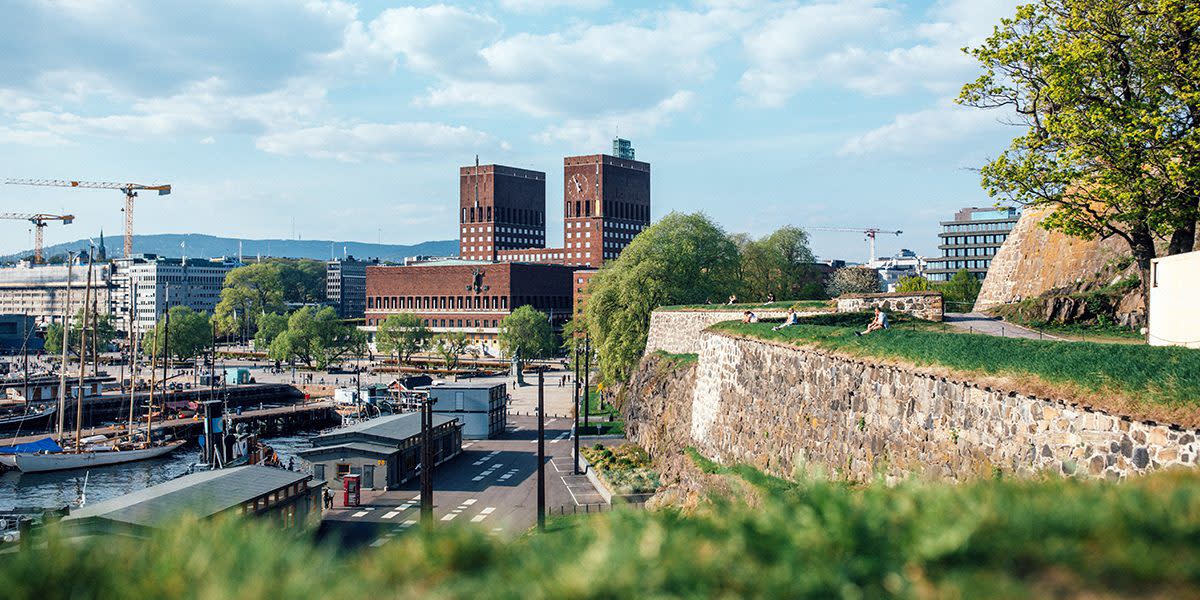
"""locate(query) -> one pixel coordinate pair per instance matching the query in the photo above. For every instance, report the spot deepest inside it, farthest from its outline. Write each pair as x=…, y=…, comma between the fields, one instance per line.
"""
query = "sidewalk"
x=980, y=323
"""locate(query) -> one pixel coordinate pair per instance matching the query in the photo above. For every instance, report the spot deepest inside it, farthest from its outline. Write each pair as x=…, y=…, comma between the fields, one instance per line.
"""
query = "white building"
x=40, y=291
x=194, y=283
x=892, y=269
x=1174, y=289
x=480, y=407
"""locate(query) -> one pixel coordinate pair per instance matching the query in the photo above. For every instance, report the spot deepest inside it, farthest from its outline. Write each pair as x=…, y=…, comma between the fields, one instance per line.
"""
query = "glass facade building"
x=970, y=242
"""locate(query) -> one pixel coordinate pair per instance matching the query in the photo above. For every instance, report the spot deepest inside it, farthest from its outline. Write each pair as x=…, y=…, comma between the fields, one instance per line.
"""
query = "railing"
x=591, y=508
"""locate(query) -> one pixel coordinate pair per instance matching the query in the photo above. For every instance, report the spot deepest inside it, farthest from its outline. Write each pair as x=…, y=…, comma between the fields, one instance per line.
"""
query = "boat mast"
x=62, y=371
x=133, y=350
x=87, y=298
x=153, y=370
x=166, y=345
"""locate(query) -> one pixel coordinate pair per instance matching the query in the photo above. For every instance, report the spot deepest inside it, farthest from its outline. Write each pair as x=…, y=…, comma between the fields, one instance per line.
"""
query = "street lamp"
x=541, y=472
x=427, y=463
x=575, y=413
x=587, y=387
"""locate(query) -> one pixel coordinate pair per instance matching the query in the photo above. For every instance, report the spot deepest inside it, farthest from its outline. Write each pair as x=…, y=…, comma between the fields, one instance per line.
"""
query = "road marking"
x=465, y=446
x=560, y=438
x=379, y=542
x=450, y=517
x=408, y=523
x=509, y=474
x=359, y=514
x=391, y=514
x=469, y=502
x=487, y=511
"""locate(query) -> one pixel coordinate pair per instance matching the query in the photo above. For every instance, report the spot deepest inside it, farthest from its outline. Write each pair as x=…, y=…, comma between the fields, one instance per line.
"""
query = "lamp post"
x=427, y=463
x=541, y=458
x=587, y=387
x=575, y=414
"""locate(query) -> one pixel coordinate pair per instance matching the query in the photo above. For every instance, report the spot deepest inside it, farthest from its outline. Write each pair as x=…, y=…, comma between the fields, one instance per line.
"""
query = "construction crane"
x=870, y=232
x=39, y=221
x=129, y=189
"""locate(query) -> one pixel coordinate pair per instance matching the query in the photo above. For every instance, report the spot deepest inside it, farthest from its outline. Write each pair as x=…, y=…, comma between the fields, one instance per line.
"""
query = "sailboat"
x=98, y=451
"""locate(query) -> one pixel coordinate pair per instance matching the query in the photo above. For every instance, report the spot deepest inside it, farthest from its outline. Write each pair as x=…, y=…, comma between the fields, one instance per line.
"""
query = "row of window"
x=460, y=323
x=959, y=264
x=463, y=302
x=980, y=251
x=975, y=239
x=1002, y=226
x=517, y=216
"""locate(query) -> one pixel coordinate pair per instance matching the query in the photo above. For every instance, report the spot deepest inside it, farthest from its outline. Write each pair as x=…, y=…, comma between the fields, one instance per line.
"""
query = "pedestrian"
x=791, y=320
x=291, y=463
x=879, y=322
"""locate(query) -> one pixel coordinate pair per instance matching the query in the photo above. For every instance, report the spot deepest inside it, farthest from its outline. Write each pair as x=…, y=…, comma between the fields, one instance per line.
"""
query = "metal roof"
x=199, y=494
x=465, y=385
x=350, y=447
x=394, y=427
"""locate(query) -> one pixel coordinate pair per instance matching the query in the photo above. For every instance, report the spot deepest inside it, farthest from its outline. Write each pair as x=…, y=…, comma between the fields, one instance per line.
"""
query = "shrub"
x=853, y=280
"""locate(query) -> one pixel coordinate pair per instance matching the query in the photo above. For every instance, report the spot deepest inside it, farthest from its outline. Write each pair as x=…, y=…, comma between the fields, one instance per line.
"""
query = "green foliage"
x=960, y=292
x=1107, y=92
x=526, y=331
x=913, y=283
x=853, y=280
x=267, y=287
x=316, y=338
x=681, y=259
x=674, y=360
x=401, y=335
x=780, y=265
x=190, y=333
x=270, y=326
x=105, y=333
x=989, y=538
x=450, y=346
x=1147, y=376
x=626, y=468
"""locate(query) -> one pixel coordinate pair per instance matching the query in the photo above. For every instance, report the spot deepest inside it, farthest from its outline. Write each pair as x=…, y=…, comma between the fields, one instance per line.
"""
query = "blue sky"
x=351, y=119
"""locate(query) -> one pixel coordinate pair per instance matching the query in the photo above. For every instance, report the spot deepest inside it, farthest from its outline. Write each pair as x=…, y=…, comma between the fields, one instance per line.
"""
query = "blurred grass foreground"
x=762, y=537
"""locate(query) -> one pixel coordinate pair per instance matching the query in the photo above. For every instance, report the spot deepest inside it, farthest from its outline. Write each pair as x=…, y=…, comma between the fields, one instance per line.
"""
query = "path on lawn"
x=980, y=323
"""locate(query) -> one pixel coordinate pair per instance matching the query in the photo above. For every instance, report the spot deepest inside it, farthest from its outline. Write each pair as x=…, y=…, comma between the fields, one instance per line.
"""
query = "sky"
x=329, y=119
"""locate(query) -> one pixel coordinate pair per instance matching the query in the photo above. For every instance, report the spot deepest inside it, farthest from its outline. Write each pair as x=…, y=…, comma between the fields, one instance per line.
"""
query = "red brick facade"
x=500, y=208
x=472, y=298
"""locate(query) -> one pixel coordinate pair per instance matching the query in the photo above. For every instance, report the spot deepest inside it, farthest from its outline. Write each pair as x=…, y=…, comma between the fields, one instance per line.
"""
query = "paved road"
x=492, y=484
x=981, y=323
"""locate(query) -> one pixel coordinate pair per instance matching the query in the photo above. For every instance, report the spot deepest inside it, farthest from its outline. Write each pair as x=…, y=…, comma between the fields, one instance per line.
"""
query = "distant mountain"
x=208, y=246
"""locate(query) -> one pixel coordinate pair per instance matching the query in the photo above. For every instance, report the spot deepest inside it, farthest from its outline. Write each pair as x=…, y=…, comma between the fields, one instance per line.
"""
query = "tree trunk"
x=1141, y=243
x=1183, y=239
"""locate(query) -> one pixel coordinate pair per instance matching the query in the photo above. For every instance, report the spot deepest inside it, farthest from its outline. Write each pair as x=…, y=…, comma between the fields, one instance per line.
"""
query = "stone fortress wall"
x=922, y=305
x=782, y=408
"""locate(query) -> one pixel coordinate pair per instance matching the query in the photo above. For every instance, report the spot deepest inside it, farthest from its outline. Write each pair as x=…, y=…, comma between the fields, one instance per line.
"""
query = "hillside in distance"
x=208, y=246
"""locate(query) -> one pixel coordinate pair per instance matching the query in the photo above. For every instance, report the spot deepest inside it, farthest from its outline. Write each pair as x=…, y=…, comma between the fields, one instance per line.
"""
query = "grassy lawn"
x=1142, y=381
x=799, y=305
x=625, y=468
x=1006, y=538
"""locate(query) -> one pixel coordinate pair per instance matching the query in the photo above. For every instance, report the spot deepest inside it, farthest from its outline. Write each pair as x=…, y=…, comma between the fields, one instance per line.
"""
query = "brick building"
x=504, y=261
x=500, y=208
x=467, y=296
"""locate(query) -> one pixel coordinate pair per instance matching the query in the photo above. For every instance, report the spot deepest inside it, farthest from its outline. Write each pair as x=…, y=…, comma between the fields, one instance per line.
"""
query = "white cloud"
x=384, y=141
x=208, y=140
x=541, y=6
x=866, y=46
x=924, y=131
x=596, y=132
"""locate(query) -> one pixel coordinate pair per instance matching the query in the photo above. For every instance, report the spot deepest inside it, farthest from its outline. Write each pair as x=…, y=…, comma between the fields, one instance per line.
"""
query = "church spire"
x=102, y=253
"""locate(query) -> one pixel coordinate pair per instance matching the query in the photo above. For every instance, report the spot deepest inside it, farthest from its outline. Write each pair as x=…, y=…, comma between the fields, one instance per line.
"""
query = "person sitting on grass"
x=732, y=299
x=770, y=299
x=788, y=322
x=879, y=322
x=749, y=317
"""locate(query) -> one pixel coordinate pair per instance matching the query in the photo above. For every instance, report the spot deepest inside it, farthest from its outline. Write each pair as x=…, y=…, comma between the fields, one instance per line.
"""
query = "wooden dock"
x=273, y=421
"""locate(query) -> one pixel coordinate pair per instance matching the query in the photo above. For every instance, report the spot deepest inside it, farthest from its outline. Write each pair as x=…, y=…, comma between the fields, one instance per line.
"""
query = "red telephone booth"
x=351, y=484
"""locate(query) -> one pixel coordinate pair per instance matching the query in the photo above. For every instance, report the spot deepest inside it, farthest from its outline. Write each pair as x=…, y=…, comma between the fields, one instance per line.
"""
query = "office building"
x=161, y=283
x=500, y=208
x=970, y=242
x=480, y=407
x=40, y=291
x=346, y=286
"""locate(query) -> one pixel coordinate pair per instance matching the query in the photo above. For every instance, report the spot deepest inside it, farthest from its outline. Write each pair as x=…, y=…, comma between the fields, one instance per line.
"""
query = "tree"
x=105, y=333
x=303, y=280
x=853, y=280
x=402, y=335
x=913, y=283
x=249, y=292
x=682, y=259
x=961, y=291
x=190, y=333
x=1107, y=91
x=316, y=338
x=526, y=333
x=780, y=264
x=450, y=346
x=270, y=326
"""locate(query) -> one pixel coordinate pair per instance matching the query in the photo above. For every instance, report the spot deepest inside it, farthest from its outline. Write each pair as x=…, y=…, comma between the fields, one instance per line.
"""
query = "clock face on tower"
x=577, y=186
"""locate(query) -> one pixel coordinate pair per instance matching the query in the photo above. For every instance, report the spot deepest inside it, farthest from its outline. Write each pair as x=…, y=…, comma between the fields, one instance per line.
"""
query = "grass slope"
x=1142, y=381
x=991, y=539
x=800, y=305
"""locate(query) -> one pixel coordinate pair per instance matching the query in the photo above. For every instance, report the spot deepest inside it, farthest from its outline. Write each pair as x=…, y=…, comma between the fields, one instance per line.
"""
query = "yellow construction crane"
x=39, y=221
x=870, y=232
x=129, y=189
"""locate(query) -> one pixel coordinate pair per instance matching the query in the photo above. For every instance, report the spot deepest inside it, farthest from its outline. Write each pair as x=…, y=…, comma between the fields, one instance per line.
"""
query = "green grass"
x=626, y=468
x=800, y=305
x=999, y=539
x=673, y=360
x=1143, y=375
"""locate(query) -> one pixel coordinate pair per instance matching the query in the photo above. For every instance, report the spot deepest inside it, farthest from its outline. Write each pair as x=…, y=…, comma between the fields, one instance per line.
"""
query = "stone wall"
x=678, y=331
x=782, y=408
x=923, y=305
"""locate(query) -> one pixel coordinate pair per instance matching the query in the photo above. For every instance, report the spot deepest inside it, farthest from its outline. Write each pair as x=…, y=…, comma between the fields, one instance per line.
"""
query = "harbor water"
x=65, y=488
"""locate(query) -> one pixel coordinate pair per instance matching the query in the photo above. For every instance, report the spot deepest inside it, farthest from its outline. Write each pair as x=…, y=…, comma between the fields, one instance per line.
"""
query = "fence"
x=591, y=508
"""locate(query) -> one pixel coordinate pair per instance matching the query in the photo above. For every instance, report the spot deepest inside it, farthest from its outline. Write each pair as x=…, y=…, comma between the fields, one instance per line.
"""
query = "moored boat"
x=89, y=458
